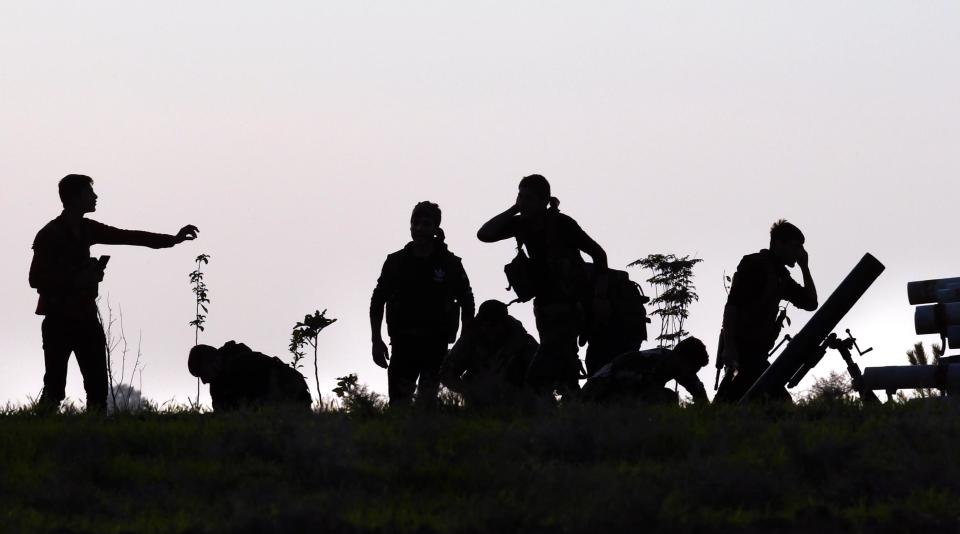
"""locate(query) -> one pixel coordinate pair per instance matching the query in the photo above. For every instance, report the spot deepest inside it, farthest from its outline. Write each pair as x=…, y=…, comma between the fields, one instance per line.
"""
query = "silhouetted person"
x=242, y=378
x=487, y=365
x=426, y=292
x=750, y=318
x=66, y=277
x=643, y=375
x=563, y=291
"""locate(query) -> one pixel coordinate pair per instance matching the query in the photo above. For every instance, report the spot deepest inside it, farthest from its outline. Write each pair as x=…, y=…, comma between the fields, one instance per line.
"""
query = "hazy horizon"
x=299, y=136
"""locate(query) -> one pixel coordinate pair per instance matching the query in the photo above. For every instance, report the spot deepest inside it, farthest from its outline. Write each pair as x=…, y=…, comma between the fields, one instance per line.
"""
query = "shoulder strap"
x=519, y=245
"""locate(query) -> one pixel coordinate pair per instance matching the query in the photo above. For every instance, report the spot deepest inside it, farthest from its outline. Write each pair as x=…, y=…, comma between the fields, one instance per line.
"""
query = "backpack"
x=628, y=305
x=520, y=277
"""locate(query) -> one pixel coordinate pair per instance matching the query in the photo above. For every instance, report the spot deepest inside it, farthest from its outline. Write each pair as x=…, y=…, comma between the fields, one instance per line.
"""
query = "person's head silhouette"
x=205, y=363
x=76, y=193
x=786, y=242
x=533, y=197
x=491, y=321
x=693, y=353
x=425, y=223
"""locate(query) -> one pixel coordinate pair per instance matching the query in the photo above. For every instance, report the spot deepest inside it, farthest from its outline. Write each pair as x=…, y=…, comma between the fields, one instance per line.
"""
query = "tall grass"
x=826, y=466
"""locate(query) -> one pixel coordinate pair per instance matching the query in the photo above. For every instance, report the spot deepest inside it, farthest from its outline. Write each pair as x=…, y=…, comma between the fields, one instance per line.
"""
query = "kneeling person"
x=488, y=363
x=240, y=377
x=643, y=375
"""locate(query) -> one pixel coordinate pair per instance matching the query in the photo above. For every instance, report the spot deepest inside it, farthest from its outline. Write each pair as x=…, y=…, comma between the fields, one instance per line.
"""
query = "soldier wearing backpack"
x=242, y=378
x=642, y=375
x=553, y=273
x=426, y=292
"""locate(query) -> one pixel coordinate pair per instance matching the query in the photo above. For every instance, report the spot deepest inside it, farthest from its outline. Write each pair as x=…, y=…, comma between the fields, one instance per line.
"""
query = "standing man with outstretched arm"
x=67, y=279
x=751, y=324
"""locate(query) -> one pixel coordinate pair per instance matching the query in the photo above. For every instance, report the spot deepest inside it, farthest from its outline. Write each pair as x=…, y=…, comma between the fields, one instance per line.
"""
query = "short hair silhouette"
x=537, y=183
x=694, y=351
x=785, y=231
x=427, y=209
x=491, y=311
x=72, y=185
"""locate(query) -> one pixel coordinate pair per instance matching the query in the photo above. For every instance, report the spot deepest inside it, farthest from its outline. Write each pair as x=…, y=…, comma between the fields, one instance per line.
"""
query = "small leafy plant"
x=918, y=356
x=202, y=300
x=305, y=333
x=673, y=283
x=356, y=398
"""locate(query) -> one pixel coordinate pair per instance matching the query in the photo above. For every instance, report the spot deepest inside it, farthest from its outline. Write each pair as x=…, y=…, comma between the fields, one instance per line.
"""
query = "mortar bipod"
x=843, y=346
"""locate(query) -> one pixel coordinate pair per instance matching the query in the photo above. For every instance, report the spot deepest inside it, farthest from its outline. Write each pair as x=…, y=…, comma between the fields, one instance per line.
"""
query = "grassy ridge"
x=576, y=469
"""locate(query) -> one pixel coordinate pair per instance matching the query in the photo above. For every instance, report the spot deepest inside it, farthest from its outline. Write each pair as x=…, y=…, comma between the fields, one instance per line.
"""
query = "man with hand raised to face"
x=562, y=289
x=426, y=292
x=67, y=279
x=751, y=318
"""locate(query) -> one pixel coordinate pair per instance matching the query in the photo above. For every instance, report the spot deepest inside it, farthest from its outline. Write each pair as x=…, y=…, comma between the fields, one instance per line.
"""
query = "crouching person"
x=240, y=377
x=642, y=375
x=488, y=363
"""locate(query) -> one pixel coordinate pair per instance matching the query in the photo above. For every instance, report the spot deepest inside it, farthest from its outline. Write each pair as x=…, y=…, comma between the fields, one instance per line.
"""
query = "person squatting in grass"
x=750, y=318
x=642, y=375
x=488, y=363
x=67, y=279
x=561, y=286
x=240, y=377
x=426, y=293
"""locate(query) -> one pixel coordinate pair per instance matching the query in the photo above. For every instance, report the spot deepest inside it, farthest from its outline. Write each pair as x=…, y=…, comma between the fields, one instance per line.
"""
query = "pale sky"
x=299, y=135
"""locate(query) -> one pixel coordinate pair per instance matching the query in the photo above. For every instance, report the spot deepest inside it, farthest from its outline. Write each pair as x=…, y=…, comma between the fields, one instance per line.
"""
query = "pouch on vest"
x=520, y=275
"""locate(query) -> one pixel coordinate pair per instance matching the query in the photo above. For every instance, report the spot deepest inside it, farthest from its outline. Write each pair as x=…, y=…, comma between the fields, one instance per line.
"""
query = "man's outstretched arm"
x=108, y=235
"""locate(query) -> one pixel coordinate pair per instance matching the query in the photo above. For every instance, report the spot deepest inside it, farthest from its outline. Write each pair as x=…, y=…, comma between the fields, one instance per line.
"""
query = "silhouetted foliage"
x=918, y=356
x=580, y=468
x=202, y=300
x=120, y=391
x=356, y=398
x=200, y=292
x=835, y=387
x=126, y=398
x=305, y=333
x=673, y=285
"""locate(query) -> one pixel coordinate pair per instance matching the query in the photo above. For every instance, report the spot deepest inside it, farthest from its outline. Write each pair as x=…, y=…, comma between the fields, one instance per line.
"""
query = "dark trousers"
x=83, y=337
x=556, y=364
x=415, y=367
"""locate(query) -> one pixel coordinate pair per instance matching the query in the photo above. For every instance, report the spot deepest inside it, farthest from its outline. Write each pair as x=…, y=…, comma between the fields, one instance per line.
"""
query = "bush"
x=356, y=398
